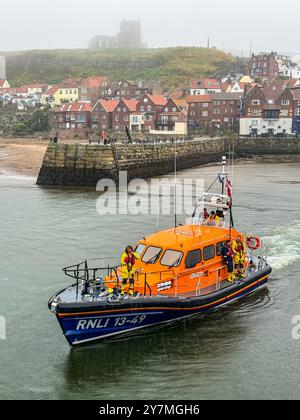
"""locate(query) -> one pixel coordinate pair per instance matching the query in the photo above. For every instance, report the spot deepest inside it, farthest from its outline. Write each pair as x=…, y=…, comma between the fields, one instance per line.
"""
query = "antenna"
x=175, y=198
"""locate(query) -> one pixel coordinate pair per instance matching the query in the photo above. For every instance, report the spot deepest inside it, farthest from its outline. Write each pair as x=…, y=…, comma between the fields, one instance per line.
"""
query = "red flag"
x=229, y=190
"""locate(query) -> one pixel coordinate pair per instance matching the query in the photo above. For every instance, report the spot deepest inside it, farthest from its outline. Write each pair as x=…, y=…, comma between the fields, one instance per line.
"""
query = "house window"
x=255, y=112
x=126, y=118
x=285, y=102
x=146, y=100
x=174, y=109
x=205, y=105
x=217, y=102
x=254, y=122
x=217, y=111
x=297, y=111
x=192, y=105
x=142, y=108
x=256, y=102
x=81, y=118
x=119, y=109
x=117, y=118
x=149, y=108
x=124, y=110
x=166, y=109
x=205, y=114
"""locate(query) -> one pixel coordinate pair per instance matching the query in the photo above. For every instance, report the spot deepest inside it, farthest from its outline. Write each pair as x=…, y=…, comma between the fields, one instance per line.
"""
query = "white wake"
x=283, y=245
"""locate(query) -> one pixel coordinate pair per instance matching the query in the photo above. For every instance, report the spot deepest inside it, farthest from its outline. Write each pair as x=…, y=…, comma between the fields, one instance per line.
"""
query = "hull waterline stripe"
x=174, y=320
x=159, y=308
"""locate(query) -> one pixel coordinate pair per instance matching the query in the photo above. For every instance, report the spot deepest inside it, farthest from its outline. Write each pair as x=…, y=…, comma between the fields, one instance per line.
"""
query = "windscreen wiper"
x=153, y=259
x=175, y=264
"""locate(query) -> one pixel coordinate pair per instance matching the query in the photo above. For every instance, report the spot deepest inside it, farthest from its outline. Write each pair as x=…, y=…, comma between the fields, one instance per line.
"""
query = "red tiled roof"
x=22, y=89
x=93, y=82
x=51, y=91
x=131, y=104
x=198, y=98
x=109, y=106
x=74, y=107
x=225, y=86
x=157, y=99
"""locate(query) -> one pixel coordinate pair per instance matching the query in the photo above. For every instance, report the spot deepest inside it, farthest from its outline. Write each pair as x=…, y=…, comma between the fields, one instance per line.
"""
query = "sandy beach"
x=21, y=156
x=24, y=156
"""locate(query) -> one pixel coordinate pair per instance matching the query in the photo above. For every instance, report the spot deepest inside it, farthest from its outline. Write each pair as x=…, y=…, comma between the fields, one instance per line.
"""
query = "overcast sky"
x=230, y=24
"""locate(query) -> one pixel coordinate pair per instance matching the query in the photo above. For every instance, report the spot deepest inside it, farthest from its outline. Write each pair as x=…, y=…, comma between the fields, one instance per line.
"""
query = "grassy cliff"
x=171, y=66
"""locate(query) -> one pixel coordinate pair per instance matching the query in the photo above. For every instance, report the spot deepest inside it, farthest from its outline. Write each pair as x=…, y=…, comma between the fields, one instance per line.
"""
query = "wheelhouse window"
x=219, y=248
x=151, y=255
x=171, y=258
x=209, y=252
x=193, y=258
x=140, y=249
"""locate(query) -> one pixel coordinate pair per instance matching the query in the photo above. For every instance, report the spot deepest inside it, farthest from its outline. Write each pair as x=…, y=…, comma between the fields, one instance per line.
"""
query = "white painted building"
x=293, y=72
x=260, y=126
x=137, y=122
x=180, y=129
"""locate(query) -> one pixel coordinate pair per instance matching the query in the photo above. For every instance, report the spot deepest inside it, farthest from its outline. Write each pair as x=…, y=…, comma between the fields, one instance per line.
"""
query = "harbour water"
x=245, y=350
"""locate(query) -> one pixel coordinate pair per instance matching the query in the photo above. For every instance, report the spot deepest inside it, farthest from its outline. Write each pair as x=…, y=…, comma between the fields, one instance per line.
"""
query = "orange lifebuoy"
x=253, y=242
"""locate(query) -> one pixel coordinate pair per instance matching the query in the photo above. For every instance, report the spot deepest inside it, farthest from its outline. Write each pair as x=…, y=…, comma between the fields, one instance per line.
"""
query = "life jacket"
x=238, y=248
x=227, y=252
x=129, y=260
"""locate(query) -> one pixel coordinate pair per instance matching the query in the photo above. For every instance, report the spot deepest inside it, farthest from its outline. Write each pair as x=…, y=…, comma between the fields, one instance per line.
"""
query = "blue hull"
x=82, y=325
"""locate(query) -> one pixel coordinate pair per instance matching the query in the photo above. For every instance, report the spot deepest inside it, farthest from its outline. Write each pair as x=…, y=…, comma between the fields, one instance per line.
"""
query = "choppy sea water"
x=245, y=350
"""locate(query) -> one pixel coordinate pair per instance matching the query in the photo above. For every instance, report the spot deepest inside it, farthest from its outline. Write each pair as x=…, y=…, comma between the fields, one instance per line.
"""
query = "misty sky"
x=231, y=24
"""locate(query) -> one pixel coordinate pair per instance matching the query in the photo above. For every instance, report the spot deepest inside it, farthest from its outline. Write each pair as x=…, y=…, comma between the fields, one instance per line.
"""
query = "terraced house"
x=121, y=114
x=67, y=91
x=267, y=111
x=148, y=109
x=102, y=114
x=93, y=88
x=173, y=117
x=215, y=111
x=73, y=116
x=128, y=90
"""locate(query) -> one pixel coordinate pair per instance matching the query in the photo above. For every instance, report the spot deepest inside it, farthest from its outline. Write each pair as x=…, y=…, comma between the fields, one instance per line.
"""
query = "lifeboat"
x=181, y=272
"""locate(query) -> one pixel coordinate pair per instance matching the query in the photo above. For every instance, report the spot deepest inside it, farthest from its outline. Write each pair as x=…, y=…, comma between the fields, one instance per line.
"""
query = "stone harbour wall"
x=84, y=165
